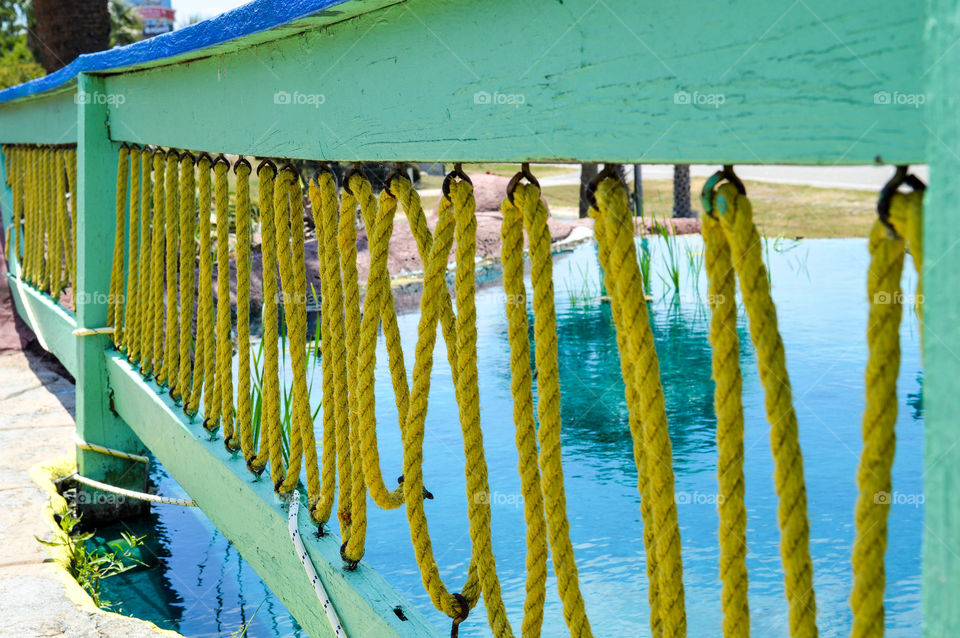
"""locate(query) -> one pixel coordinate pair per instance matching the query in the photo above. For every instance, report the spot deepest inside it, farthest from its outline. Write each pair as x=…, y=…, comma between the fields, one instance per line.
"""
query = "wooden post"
x=941, y=336
x=96, y=420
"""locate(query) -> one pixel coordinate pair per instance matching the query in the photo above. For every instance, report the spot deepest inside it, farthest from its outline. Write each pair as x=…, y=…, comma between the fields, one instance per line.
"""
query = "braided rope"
x=347, y=242
x=879, y=420
x=156, y=267
x=286, y=193
x=521, y=387
x=244, y=425
x=548, y=407
x=270, y=441
x=171, y=351
x=132, y=293
x=612, y=204
x=116, y=274
x=333, y=351
x=736, y=217
x=144, y=334
x=72, y=179
x=205, y=364
x=223, y=392
x=632, y=396
x=188, y=282
x=61, y=272
x=728, y=403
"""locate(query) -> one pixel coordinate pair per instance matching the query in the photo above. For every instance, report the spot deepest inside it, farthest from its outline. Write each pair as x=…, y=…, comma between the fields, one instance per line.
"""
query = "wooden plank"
x=248, y=513
x=96, y=223
x=941, y=336
x=50, y=118
x=52, y=324
x=617, y=80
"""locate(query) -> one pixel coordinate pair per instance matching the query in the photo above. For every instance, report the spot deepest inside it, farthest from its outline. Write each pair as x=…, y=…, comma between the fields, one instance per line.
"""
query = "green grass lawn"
x=779, y=209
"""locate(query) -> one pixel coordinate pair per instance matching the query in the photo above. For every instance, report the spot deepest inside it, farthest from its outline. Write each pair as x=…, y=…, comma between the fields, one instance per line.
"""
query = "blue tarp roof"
x=259, y=15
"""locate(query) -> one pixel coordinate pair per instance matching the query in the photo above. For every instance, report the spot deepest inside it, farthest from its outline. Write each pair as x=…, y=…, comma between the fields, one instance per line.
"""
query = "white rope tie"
x=140, y=496
x=294, y=526
x=93, y=447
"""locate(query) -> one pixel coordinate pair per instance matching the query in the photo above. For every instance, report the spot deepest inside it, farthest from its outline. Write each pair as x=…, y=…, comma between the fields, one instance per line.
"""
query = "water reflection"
x=820, y=294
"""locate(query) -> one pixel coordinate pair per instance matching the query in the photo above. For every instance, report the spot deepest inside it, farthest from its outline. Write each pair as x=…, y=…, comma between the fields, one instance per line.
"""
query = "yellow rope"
x=728, y=403
x=16, y=183
x=295, y=196
x=548, y=406
x=66, y=238
x=434, y=289
x=188, y=283
x=632, y=395
x=156, y=267
x=521, y=388
x=613, y=205
x=379, y=306
x=11, y=169
x=114, y=305
x=204, y=365
x=378, y=219
x=333, y=358
x=30, y=216
x=736, y=217
x=287, y=212
x=880, y=412
x=223, y=393
x=879, y=418
x=171, y=351
x=270, y=434
x=131, y=312
x=72, y=179
x=48, y=242
x=60, y=211
x=347, y=241
x=242, y=171
x=144, y=301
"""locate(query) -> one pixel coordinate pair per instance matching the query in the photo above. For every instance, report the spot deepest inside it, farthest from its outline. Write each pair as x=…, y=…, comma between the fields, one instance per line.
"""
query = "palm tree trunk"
x=681, y=191
x=67, y=29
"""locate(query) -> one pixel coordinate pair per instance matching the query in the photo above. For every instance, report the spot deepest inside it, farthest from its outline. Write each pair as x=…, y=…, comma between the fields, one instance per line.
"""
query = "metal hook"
x=900, y=177
x=464, y=613
x=268, y=163
x=346, y=179
x=458, y=173
x=242, y=161
x=706, y=195
x=524, y=173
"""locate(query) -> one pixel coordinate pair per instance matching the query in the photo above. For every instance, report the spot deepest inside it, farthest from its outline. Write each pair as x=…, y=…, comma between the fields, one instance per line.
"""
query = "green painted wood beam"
x=52, y=324
x=248, y=513
x=578, y=80
x=941, y=329
x=50, y=118
x=97, y=422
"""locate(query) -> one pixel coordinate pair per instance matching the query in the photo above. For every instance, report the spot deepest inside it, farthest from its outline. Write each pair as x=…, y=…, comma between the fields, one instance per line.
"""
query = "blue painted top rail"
x=254, y=17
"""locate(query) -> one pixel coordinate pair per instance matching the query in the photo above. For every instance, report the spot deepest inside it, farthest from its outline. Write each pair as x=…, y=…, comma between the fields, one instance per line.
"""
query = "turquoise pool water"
x=201, y=587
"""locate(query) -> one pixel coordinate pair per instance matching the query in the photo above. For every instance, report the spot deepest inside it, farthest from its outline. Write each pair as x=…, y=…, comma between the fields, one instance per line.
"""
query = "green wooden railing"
x=811, y=82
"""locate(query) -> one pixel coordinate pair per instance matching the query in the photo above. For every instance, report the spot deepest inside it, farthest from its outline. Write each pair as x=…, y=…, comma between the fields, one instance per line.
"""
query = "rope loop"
x=523, y=173
x=710, y=186
x=464, y=614
x=900, y=178
x=456, y=173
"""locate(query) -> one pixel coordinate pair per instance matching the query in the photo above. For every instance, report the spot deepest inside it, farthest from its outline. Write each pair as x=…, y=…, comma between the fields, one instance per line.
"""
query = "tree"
x=681, y=191
x=587, y=174
x=17, y=63
x=65, y=30
x=126, y=26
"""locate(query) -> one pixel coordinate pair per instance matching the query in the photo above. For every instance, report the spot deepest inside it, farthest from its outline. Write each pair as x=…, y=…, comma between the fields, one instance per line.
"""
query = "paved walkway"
x=36, y=427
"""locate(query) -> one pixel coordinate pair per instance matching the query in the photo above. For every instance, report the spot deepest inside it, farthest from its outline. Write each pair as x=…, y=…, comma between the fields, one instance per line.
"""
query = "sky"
x=205, y=8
